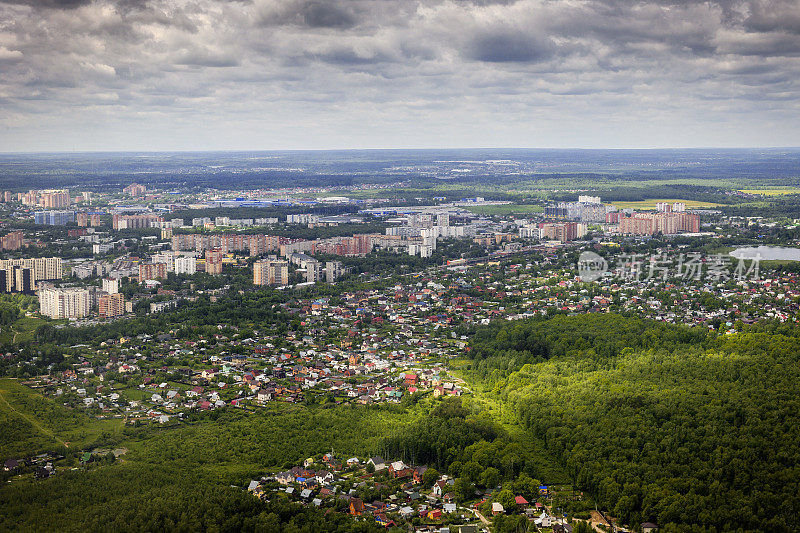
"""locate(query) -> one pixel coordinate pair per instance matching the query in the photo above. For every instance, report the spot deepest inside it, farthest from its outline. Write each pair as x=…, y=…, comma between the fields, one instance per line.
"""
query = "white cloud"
x=312, y=74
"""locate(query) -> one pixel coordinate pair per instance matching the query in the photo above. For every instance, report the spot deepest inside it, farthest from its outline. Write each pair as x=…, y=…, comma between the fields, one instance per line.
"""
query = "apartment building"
x=71, y=302
x=271, y=272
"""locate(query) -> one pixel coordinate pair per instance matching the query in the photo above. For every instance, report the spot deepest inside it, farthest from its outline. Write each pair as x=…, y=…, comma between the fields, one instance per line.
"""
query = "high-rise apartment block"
x=72, y=302
x=54, y=218
x=111, y=285
x=185, y=265
x=152, y=271
x=134, y=189
x=111, y=305
x=271, y=272
x=11, y=241
x=214, y=262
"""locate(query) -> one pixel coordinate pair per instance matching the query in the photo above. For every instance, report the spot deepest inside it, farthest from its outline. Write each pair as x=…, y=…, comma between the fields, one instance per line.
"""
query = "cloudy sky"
x=307, y=74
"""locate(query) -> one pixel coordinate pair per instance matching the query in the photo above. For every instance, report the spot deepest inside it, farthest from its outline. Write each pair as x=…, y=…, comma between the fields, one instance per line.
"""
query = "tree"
x=464, y=489
x=430, y=476
x=471, y=471
x=506, y=499
x=490, y=477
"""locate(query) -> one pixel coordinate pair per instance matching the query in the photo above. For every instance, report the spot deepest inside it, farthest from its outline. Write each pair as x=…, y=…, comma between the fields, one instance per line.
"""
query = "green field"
x=772, y=191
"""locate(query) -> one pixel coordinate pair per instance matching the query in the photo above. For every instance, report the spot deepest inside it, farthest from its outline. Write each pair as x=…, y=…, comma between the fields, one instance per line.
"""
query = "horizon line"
x=232, y=150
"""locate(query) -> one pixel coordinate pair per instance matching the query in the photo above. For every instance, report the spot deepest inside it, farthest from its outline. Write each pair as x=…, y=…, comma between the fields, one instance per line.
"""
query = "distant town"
x=104, y=224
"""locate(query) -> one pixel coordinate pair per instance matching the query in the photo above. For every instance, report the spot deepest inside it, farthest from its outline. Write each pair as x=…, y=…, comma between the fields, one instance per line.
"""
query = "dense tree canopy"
x=662, y=423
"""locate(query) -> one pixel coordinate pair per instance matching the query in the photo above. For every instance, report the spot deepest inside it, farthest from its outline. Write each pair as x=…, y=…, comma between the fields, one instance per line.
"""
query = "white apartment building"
x=44, y=268
x=111, y=286
x=185, y=265
x=72, y=302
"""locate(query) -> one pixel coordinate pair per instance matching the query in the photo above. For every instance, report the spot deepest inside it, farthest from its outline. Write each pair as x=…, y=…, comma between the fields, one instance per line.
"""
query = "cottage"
x=383, y=520
x=377, y=462
x=263, y=396
x=497, y=508
x=323, y=477
x=544, y=520
x=649, y=527
x=356, y=507
x=284, y=478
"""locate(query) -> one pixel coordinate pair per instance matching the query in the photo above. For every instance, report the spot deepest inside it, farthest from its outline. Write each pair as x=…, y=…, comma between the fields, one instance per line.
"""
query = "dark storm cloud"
x=345, y=64
x=348, y=56
x=49, y=4
x=509, y=46
x=311, y=14
x=327, y=15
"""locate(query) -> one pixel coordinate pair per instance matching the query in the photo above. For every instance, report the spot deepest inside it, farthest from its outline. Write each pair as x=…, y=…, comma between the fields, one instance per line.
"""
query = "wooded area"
x=660, y=422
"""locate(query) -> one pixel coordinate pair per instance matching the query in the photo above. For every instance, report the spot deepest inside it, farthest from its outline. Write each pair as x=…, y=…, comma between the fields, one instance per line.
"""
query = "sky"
x=85, y=75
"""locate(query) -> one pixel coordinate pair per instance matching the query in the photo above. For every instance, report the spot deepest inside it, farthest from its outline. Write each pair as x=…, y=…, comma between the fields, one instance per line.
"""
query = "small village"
x=393, y=493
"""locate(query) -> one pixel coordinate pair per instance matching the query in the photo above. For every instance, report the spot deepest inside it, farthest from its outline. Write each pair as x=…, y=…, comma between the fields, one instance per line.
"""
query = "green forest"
x=660, y=423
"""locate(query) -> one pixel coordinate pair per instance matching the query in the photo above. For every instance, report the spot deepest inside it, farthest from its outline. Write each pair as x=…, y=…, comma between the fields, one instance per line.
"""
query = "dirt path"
x=33, y=422
x=479, y=515
x=597, y=520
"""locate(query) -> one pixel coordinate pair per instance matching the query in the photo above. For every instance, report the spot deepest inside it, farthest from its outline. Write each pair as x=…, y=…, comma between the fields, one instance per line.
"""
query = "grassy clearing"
x=30, y=423
x=552, y=472
x=772, y=191
x=21, y=330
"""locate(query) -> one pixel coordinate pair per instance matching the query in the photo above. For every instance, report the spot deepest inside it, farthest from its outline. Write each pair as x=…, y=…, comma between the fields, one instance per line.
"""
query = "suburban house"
x=356, y=507
x=377, y=462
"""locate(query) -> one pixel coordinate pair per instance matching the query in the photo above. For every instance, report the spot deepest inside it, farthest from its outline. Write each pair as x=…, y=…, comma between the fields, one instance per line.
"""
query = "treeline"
x=466, y=443
x=616, y=191
x=439, y=439
x=775, y=206
x=506, y=346
x=136, y=497
x=660, y=423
